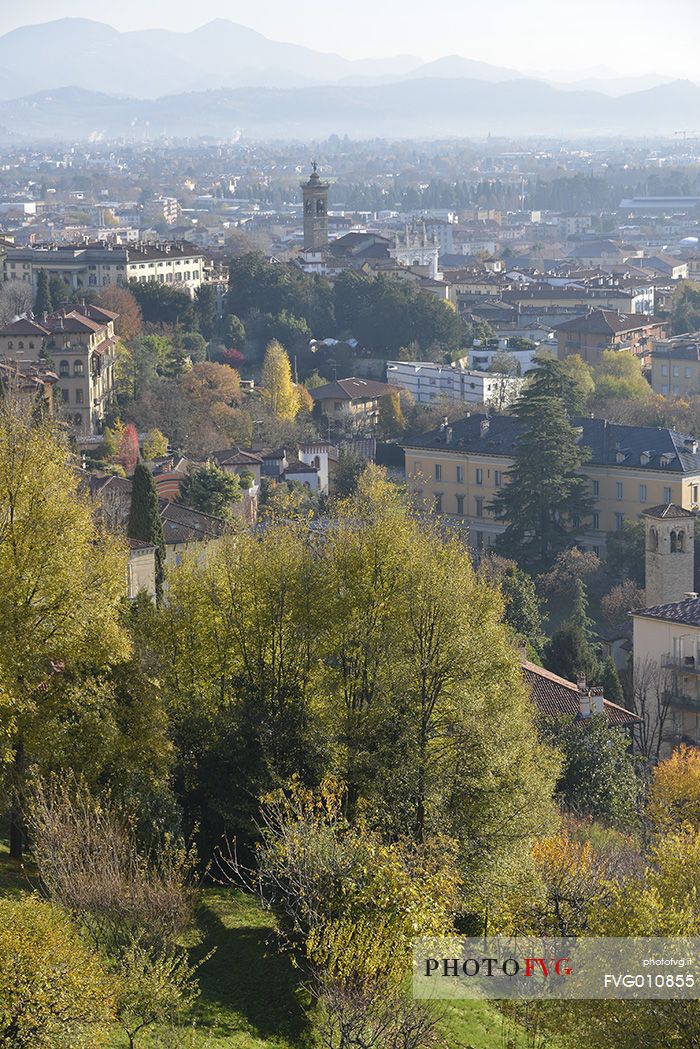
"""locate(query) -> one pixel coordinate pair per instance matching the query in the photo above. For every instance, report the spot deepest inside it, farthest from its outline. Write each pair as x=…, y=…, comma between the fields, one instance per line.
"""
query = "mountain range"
x=78, y=78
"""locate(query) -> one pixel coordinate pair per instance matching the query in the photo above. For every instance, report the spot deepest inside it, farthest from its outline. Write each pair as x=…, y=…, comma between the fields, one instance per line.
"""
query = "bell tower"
x=669, y=554
x=315, y=195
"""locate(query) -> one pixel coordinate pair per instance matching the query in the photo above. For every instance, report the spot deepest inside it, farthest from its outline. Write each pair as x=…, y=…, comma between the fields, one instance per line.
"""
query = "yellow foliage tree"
x=277, y=382
x=674, y=796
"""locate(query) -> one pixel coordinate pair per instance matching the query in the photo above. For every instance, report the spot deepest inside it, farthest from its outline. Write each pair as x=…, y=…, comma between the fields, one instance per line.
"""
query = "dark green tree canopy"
x=211, y=490
x=144, y=518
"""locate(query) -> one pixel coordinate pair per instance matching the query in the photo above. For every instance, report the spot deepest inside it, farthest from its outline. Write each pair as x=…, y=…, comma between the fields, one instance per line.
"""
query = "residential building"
x=675, y=366
x=554, y=697
x=99, y=265
x=354, y=400
x=141, y=569
x=80, y=343
x=428, y=382
x=599, y=330
x=461, y=466
x=187, y=531
x=666, y=635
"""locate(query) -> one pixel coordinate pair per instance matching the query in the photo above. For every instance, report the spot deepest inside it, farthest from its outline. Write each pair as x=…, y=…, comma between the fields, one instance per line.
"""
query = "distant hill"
x=410, y=108
x=150, y=64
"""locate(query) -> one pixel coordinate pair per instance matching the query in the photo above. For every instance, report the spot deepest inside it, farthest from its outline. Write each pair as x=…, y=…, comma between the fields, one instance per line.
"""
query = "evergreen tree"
x=144, y=519
x=211, y=490
x=547, y=498
x=571, y=651
x=42, y=303
x=206, y=310
x=610, y=681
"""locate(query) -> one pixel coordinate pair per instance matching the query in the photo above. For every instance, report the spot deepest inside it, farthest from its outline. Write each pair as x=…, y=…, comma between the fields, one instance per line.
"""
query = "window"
x=78, y=420
x=64, y=369
x=438, y=472
x=619, y=521
x=664, y=369
x=676, y=371
x=78, y=368
x=694, y=493
x=438, y=502
x=65, y=395
x=642, y=493
x=688, y=373
x=667, y=495
x=618, y=490
x=460, y=504
x=479, y=475
x=498, y=478
x=460, y=474
x=595, y=521
x=479, y=505
x=20, y=345
x=596, y=488
x=78, y=396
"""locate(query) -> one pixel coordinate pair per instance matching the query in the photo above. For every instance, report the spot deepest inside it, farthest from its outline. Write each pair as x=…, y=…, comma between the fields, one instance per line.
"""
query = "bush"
x=53, y=990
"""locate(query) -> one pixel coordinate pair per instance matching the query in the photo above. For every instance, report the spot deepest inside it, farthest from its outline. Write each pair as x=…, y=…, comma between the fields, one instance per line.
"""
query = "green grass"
x=248, y=988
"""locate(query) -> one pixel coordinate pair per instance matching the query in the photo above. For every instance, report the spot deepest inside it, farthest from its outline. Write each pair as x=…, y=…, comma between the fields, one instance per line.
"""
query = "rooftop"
x=554, y=696
x=686, y=612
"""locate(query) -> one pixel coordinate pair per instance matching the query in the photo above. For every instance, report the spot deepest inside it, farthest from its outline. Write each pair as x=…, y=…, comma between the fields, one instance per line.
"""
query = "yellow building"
x=675, y=366
x=461, y=466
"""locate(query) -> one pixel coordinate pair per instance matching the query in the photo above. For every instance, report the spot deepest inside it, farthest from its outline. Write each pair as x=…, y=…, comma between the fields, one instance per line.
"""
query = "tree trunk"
x=16, y=819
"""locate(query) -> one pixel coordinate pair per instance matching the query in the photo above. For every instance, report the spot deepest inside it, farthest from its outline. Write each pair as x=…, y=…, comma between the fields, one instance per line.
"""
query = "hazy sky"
x=628, y=36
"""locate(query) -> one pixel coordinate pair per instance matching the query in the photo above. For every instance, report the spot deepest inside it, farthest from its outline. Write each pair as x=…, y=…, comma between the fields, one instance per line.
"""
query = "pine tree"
x=610, y=681
x=42, y=303
x=144, y=519
x=571, y=651
x=547, y=497
x=277, y=380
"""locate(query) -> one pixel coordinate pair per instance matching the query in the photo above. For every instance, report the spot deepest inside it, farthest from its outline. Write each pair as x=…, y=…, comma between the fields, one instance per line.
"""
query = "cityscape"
x=349, y=477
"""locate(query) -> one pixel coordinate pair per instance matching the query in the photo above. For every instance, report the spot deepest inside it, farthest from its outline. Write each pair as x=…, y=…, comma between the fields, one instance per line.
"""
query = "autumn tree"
x=277, y=382
x=128, y=448
x=119, y=300
x=57, y=613
x=155, y=445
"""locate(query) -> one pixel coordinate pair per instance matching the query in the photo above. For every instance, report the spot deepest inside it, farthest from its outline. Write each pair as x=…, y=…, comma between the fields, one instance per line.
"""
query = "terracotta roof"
x=607, y=322
x=554, y=696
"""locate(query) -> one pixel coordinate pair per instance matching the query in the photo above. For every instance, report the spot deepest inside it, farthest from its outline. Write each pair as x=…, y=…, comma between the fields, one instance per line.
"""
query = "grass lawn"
x=248, y=989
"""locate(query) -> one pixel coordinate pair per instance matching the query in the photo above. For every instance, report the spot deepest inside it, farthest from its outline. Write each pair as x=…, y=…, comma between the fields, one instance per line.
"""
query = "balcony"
x=681, y=702
x=680, y=664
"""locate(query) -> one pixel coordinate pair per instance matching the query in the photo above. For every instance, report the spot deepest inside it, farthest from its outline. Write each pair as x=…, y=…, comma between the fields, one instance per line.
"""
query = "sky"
x=628, y=37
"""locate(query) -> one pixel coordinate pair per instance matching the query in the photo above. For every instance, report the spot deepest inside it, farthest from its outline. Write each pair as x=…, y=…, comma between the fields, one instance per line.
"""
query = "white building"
x=428, y=382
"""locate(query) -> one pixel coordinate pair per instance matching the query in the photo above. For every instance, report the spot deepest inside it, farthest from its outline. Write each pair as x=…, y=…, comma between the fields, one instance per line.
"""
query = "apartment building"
x=99, y=265
x=79, y=343
x=428, y=382
x=461, y=466
x=675, y=366
x=599, y=330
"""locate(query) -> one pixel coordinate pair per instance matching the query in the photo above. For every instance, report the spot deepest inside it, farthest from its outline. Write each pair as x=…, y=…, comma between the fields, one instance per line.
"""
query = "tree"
x=674, y=795
x=155, y=445
x=119, y=300
x=619, y=375
x=60, y=292
x=523, y=611
x=145, y=521
x=57, y=613
x=42, y=302
x=210, y=490
x=347, y=473
x=391, y=420
x=205, y=298
x=547, y=496
x=619, y=602
x=234, y=331
x=609, y=679
x=277, y=382
x=164, y=305
x=580, y=375
x=598, y=776
x=15, y=299
x=53, y=989
x=128, y=450
x=624, y=553
x=570, y=651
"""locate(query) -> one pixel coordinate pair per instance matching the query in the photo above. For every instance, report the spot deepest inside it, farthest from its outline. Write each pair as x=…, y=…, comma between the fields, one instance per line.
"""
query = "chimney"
x=690, y=596
x=584, y=698
x=484, y=428
x=448, y=435
x=597, y=700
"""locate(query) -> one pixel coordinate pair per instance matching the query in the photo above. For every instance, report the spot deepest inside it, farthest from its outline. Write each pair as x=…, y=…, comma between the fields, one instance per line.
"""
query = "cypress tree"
x=571, y=650
x=144, y=519
x=42, y=303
